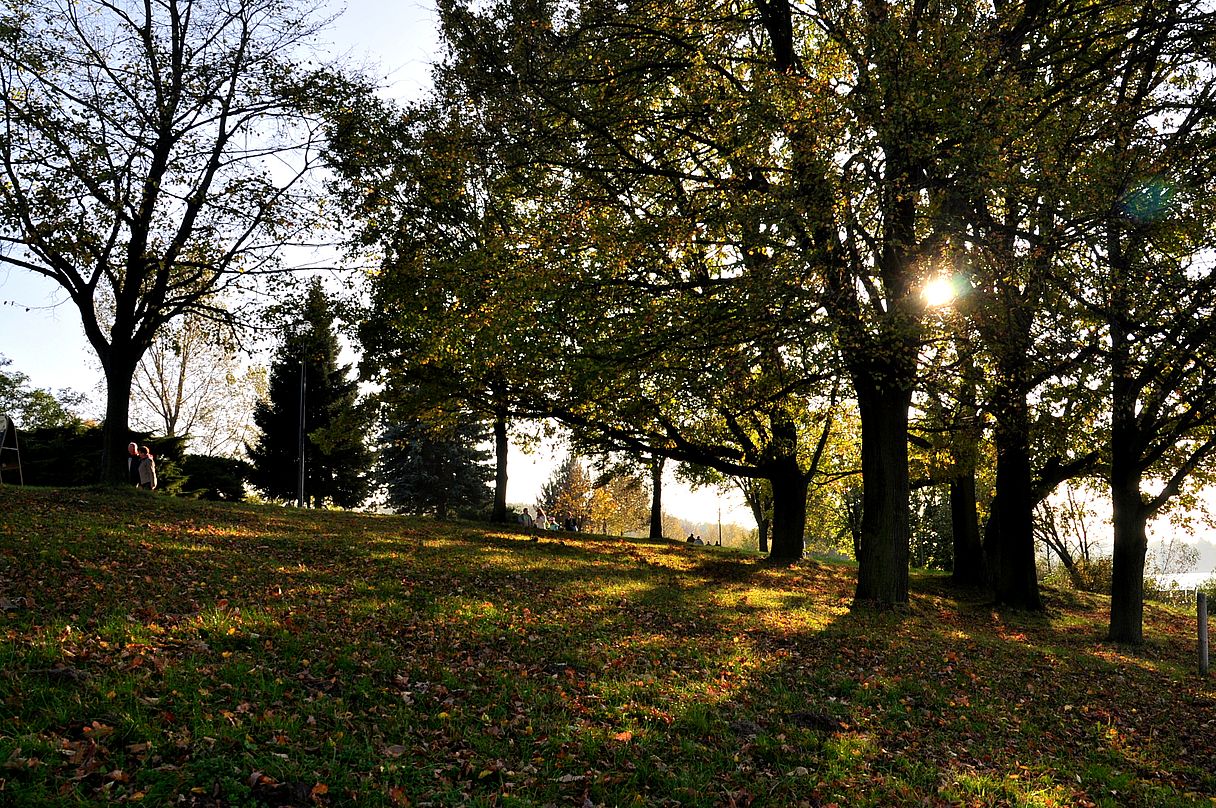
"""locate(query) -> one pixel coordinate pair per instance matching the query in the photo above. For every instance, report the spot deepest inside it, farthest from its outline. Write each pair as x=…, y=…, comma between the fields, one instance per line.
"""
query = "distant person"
x=133, y=461
x=542, y=520
x=698, y=541
x=147, y=469
x=691, y=539
x=525, y=518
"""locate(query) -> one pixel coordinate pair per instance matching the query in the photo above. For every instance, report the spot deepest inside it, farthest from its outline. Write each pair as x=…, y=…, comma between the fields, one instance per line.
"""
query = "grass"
x=173, y=652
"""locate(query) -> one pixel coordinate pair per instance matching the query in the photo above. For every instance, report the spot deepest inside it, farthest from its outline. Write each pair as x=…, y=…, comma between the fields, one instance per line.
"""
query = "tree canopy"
x=714, y=225
x=155, y=155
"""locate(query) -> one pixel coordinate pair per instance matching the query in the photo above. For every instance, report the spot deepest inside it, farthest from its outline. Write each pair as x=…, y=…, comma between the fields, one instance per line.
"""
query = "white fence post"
x=1201, y=601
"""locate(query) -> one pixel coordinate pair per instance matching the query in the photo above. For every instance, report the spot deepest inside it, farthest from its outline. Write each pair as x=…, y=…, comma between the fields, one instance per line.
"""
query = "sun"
x=938, y=292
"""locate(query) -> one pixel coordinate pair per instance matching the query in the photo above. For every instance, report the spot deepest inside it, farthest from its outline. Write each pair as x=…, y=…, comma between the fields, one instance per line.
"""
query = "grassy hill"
x=174, y=652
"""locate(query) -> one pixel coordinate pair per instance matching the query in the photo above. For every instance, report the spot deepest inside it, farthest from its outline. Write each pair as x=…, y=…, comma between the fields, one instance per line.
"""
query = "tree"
x=33, y=407
x=567, y=494
x=189, y=383
x=1159, y=299
x=439, y=335
x=336, y=458
x=1062, y=527
x=154, y=155
x=436, y=471
x=664, y=320
x=632, y=506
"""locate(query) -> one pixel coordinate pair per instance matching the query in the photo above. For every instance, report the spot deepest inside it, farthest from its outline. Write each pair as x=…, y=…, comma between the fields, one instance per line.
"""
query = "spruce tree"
x=436, y=470
x=336, y=457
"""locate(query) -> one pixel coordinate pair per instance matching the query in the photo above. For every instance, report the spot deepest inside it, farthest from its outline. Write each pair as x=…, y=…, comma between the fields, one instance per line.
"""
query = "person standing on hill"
x=133, y=462
x=147, y=469
x=525, y=518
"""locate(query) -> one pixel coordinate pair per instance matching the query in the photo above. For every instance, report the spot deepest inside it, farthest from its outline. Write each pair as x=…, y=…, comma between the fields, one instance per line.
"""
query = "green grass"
x=180, y=653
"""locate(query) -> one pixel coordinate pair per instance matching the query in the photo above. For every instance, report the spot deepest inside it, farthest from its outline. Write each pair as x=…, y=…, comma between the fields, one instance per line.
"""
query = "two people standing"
x=141, y=466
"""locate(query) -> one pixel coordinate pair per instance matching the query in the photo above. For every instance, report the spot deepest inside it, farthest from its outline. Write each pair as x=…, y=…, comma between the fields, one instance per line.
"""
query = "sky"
x=396, y=42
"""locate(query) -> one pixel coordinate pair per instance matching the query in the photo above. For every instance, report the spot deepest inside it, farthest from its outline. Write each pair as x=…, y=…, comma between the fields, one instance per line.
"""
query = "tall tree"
x=1157, y=297
x=152, y=156
x=432, y=470
x=333, y=428
x=432, y=198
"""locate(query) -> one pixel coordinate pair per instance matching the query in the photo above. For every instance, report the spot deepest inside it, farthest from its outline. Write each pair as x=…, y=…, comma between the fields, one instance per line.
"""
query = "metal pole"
x=1202, y=607
x=300, y=490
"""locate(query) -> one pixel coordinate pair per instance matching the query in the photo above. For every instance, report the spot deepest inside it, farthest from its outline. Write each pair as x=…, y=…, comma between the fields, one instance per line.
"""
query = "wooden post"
x=1202, y=607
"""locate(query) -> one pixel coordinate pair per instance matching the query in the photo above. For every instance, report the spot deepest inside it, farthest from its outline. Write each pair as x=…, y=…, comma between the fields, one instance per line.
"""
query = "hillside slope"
x=183, y=653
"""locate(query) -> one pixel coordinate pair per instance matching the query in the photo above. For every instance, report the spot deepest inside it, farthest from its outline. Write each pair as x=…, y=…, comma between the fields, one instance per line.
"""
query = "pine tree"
x=336, y=458
x=436, y=470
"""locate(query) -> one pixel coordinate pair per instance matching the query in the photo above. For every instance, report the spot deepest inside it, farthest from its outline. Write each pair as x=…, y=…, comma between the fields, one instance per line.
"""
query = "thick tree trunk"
x=501, y=447
x=762, y=530
x=1127, y=575
x=116, y=432
x=969, y=570
x=656, y=497
x=1009, y=535
x=1129, y=515
x=882, y=557
x=789, y=513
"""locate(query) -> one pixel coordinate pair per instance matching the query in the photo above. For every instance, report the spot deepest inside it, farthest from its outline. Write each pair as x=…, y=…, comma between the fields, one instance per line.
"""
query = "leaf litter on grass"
x=177, y=652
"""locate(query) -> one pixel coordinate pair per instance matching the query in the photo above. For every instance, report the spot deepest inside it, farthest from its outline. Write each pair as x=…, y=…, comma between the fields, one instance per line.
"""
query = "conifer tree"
x=436, y=470
x=336, y=458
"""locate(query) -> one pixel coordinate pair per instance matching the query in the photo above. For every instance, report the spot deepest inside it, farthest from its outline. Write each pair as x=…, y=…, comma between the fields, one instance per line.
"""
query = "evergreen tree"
x=336, y=459
x=436, y=470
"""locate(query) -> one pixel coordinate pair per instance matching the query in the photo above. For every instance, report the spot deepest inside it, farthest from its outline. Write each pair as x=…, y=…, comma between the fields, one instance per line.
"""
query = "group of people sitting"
x=141, y=466
x=697, y=540
x=542, y=521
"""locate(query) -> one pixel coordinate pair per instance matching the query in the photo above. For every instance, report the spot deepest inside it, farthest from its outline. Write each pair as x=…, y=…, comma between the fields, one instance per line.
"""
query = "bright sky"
x=395, y=41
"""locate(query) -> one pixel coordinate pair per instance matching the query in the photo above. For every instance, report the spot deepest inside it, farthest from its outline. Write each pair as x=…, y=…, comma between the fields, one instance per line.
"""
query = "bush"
x=1094, y=575
x=214, y=478
x=70, y=456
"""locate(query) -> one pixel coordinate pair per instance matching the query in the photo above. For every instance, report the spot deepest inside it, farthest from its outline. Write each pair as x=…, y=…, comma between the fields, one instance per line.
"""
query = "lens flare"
x=939, y=292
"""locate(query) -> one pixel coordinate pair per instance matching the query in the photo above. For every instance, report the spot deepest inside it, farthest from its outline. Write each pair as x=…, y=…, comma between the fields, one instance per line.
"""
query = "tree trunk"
x=1070, y=566
x=1009, y=535
x=501, y=447
x=789, y=512
x=969, y=570
x=756, y=495
x=656, y=497
x=762, y=529
x=1129, y=514
x=116, y=432
x=1127, y=574
x=882, y=558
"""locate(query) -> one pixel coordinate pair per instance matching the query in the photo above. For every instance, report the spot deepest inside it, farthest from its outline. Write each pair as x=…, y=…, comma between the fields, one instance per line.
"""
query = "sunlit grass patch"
x=392, y=659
